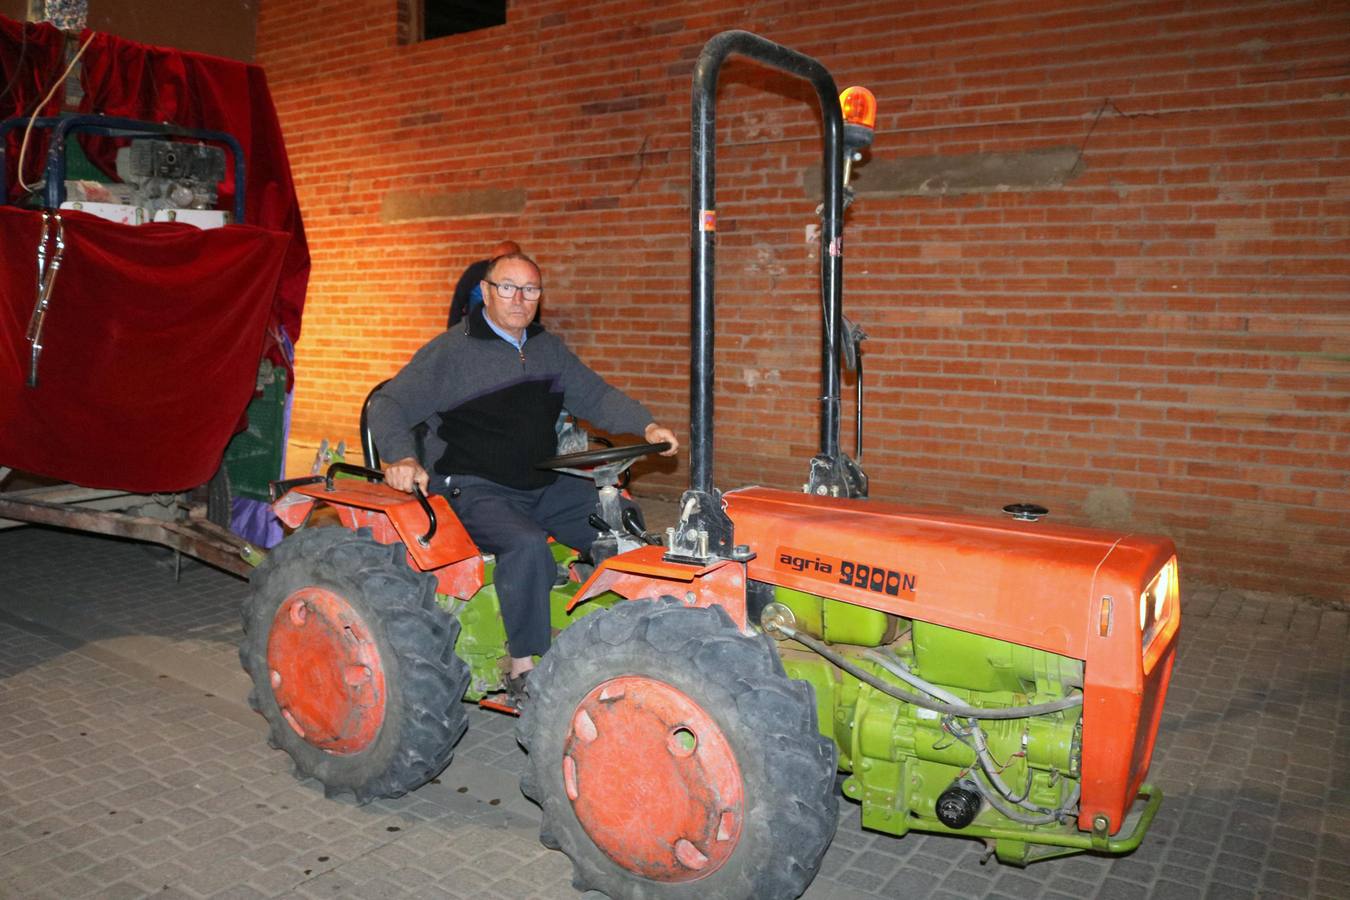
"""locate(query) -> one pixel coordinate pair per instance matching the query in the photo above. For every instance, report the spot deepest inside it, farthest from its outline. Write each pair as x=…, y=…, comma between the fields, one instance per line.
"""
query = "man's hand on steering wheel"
x=656, y=434
x=404, y=473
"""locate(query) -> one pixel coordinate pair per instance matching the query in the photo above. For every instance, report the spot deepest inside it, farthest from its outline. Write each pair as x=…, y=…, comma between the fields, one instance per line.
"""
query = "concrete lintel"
x=965, y=173
x=406, y=206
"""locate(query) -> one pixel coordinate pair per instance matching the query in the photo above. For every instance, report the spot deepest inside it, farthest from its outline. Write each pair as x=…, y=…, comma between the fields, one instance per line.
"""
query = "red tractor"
x=993, y=678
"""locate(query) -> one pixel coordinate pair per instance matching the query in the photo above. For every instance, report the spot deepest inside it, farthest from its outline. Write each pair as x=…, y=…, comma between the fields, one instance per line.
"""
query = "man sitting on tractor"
x=491, y=393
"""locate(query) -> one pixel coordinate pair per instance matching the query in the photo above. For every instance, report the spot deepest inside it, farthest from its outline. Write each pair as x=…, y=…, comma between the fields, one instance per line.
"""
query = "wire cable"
x=23, y=147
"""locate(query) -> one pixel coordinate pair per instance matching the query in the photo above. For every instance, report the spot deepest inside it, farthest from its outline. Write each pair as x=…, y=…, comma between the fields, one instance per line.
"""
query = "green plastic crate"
x=253, y=458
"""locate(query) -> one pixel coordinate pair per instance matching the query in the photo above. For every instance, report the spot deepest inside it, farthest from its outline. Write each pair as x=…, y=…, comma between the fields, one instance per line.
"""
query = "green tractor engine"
x=915, y=768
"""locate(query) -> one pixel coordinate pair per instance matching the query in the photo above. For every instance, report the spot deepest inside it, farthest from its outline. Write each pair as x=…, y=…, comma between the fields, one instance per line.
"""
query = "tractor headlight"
x=1157, y=602
x=1161, y=587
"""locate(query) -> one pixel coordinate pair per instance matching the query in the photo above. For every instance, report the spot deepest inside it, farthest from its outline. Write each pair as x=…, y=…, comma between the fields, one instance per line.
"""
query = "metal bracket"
x=704, y=532
x=836, y=476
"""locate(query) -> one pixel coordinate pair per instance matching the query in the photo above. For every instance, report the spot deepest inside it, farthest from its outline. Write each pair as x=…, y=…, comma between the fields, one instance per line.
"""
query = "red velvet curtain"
x=155, y=330
x=151, y=347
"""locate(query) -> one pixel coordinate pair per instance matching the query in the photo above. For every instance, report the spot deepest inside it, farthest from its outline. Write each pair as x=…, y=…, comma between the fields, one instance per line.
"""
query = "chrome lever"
x=46, y=280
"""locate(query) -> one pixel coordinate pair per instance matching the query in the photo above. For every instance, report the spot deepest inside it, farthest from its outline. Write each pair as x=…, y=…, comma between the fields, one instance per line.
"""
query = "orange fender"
x=644, y=573
x=395, y=517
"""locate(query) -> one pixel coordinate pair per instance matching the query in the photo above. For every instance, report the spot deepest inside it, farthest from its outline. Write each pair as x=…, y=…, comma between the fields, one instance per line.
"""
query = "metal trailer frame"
x=99, y=511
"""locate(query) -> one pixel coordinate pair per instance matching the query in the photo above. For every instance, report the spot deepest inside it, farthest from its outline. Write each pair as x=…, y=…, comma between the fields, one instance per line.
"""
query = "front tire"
x=353, y=664
x=674, y=759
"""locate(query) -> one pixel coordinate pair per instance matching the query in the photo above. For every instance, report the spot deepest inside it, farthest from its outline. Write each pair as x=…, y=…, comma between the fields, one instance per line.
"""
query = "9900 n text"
x=875, y=578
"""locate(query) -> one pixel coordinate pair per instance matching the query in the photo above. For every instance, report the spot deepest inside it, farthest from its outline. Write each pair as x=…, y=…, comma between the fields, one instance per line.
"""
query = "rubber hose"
x=952, y=709
x=980, y=743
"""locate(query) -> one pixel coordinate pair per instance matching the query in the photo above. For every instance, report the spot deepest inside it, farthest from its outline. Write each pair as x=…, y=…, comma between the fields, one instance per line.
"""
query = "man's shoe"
x=518, y=690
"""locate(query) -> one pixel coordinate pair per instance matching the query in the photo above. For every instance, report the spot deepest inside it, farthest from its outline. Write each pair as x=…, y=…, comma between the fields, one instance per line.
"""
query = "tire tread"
x=800, y=814
x=432, y=679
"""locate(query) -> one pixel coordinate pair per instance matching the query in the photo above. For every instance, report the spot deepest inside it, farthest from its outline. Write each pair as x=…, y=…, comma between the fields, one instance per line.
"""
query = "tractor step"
x=498, y=706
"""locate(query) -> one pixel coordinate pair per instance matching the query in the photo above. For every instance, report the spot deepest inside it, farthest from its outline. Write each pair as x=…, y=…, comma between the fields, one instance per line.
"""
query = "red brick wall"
x=1162, y=342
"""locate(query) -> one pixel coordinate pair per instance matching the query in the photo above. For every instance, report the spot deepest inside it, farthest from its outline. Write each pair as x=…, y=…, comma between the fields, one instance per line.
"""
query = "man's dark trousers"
x=514, y=525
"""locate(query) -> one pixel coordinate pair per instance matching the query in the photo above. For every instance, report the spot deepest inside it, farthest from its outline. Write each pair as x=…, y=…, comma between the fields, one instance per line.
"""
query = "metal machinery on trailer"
x=1000, y=679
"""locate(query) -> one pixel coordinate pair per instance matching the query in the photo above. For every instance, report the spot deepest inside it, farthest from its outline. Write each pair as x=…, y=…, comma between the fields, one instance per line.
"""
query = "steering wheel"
x=589, y=458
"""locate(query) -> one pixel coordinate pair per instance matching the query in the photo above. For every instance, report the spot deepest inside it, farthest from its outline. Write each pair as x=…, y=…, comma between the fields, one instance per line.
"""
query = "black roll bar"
x=705, y=531
x=703, y=211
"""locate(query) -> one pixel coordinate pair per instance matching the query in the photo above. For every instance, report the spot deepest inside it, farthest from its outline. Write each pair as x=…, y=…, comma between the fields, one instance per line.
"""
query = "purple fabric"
x=254, y=521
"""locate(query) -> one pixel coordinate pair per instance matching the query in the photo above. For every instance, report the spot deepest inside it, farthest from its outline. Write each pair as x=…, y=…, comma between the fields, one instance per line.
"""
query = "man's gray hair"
x=496, y=260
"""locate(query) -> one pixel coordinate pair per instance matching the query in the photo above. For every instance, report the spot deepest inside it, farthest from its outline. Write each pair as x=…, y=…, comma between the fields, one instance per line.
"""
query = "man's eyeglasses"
x=506, y=290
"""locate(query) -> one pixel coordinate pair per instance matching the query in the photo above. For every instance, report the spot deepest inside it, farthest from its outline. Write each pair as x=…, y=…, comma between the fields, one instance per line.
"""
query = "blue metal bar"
x=110, y=126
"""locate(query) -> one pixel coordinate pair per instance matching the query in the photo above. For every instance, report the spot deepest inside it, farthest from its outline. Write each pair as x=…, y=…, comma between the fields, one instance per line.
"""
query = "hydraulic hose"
x=978, y=741
x=958, y=709
x=901, y=671
x=996, y=791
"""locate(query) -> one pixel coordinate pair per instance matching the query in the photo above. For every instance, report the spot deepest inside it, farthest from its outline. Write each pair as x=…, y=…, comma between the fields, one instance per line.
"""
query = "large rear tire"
x=674, y=759
x=353, y=663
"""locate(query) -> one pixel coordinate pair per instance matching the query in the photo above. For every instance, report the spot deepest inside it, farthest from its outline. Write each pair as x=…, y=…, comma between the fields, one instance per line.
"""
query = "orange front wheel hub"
x=653, y=780
x=325, y=671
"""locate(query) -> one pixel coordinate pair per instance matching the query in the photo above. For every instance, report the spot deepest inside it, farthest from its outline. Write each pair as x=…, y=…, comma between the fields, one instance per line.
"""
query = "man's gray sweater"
x=491, y=409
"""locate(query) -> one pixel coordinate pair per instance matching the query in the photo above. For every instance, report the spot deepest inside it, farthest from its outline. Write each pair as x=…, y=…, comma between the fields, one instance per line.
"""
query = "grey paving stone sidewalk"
x=130, y=766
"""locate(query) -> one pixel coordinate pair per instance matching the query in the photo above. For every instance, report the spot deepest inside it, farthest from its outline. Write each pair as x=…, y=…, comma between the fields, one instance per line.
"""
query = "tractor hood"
x=1033, y=583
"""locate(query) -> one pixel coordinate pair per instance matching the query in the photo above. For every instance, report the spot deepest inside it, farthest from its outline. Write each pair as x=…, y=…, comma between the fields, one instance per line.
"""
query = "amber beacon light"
x=860, y=107
x=860, y=118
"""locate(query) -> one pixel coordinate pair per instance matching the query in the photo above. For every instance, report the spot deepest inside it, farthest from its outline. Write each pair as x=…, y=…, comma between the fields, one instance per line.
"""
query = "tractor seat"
x=369, y=452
